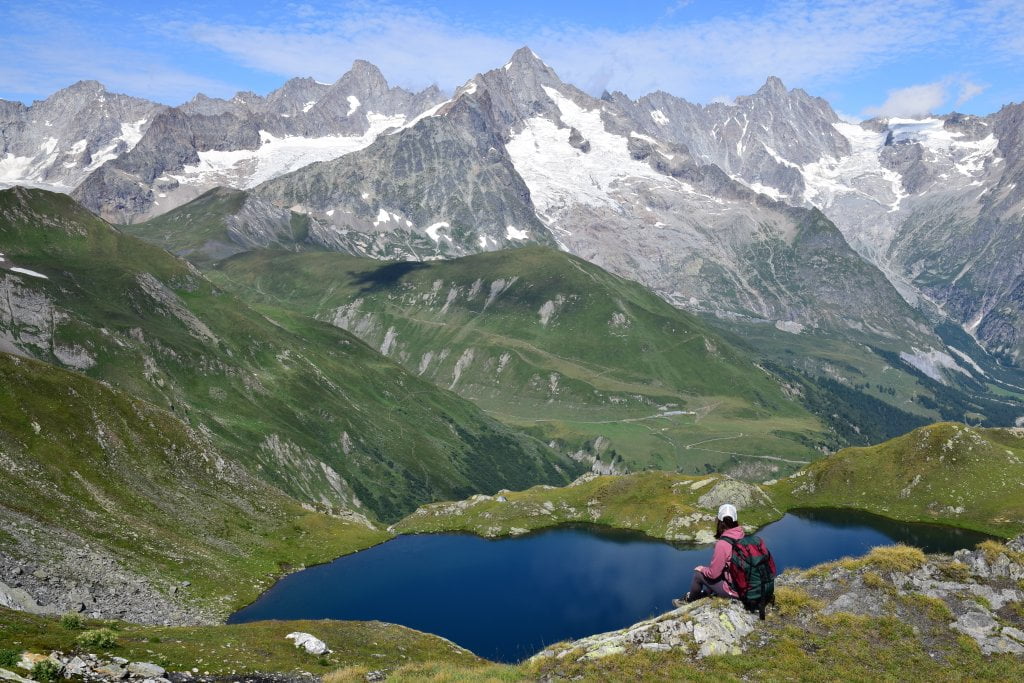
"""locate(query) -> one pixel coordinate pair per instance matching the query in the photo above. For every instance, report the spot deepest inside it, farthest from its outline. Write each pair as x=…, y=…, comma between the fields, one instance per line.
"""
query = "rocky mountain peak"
x=773, y=86
x=366, y=74
x=82, y=89
x=774, y=93
x=525, y=63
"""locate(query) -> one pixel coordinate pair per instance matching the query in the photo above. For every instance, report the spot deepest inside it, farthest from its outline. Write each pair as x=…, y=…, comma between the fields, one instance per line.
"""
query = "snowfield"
x=247, y=168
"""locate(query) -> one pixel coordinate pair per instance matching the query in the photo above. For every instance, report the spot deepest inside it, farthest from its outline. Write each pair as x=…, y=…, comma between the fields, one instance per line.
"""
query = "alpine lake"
x=506, y=599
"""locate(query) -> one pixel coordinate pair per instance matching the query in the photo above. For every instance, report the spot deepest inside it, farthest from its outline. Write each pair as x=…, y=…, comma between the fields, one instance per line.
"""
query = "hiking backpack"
x=752, y=573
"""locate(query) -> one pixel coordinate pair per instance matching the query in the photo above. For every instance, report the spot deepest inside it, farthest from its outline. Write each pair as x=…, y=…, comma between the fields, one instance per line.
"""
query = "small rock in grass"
x=112, y=671
x=146, y=669
x=310, y=643
x=77, y=666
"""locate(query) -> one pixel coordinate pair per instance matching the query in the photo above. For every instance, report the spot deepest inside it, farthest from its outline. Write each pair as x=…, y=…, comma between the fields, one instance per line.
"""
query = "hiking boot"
x=689, y=597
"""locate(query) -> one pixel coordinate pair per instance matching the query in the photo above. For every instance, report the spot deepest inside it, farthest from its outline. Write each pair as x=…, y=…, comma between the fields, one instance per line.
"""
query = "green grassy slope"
x=241, y=648
x=945, y=472
x=867, y=393
x=214, y=226
x=306, y=405
x=548, y=342
x=120, y=474
x=658, y=504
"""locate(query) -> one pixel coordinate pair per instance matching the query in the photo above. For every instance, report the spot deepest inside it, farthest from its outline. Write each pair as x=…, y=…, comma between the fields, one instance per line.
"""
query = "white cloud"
x=969, y=91
x=815, y=44
x=926, y=98
x=49, y=54
x=915, y=100
x=801, y=41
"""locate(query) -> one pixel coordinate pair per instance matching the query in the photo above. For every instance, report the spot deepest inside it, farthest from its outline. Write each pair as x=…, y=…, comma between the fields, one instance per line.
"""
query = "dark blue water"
x=506, y=599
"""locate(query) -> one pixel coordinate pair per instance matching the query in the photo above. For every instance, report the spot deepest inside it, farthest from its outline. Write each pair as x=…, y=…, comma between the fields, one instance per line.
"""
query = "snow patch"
x=559, y=175
x=432, y=231
x=246, y=168
x=513, y=234
x=827, y=179
x=131, y=133
x=30, y=273
x=429, y=112
x=659, y=117
x=353, y=104
x=765, y=190
x=308, y=105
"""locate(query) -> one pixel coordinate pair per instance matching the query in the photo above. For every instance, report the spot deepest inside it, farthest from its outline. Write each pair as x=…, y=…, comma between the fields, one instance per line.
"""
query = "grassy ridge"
x=308, y=406
x=946, y=472
x=658, y=504
x=202, y=229
x=122, y=475
x=552, y=344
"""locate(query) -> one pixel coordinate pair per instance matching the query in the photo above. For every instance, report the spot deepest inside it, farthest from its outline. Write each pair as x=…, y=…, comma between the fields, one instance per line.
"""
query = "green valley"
x=597, y=365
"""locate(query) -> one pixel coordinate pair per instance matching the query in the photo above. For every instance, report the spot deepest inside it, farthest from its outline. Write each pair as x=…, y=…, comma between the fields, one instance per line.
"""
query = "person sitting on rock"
x=713, y=579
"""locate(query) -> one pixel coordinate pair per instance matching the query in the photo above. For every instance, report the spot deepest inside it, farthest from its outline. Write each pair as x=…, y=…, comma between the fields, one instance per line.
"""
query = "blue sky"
x=866, y=57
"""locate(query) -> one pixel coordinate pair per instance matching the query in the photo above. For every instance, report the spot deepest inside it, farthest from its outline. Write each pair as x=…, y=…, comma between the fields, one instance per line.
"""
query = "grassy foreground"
x=800, y=641
x=226, y=650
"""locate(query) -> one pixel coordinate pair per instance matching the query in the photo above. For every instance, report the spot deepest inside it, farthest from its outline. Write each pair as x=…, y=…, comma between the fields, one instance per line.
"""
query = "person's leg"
x=717, y=588
x=697, y=583
x=700, y=586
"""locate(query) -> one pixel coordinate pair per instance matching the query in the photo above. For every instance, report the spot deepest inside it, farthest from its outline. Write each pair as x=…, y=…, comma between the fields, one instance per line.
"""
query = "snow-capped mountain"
x=933, y=202
x=519, y=155
x=246, y=140
x=713, y=206
x=55, y=143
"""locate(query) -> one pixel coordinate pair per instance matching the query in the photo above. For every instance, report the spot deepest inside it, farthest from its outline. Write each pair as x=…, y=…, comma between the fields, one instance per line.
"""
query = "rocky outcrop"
x=58, y=141
x=738, y=493
x=976, y=593
x=702, y=628
x=88, y=667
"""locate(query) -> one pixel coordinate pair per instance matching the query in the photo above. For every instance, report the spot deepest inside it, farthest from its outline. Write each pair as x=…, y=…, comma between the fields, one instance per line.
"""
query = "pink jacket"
x=720, y=557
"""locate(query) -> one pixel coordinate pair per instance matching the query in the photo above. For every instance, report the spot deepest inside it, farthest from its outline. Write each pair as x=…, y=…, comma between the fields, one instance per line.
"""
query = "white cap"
x=727, y=510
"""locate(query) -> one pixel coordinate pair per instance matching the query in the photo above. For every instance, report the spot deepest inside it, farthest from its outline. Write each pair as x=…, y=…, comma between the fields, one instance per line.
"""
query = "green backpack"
x=752, y=573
